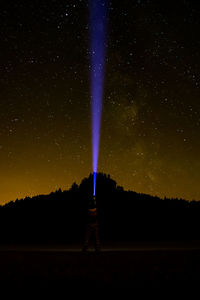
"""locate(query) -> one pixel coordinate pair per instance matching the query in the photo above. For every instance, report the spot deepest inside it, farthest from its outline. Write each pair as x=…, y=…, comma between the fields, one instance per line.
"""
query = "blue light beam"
x=98, y=28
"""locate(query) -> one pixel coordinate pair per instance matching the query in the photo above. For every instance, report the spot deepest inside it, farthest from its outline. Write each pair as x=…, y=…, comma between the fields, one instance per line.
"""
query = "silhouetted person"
x=92, y=227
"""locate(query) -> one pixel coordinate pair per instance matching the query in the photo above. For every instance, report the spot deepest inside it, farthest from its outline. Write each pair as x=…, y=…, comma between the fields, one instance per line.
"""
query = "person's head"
x=92, y=211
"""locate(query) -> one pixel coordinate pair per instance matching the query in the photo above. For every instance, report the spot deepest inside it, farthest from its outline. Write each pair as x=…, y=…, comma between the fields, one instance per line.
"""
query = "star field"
x=151, y=112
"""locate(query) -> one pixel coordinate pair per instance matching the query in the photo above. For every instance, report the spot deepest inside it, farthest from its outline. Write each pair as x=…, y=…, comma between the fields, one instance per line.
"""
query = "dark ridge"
x=123, y=215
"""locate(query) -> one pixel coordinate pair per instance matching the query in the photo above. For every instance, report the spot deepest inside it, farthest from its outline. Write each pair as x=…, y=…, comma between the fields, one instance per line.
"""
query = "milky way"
x=151, y=114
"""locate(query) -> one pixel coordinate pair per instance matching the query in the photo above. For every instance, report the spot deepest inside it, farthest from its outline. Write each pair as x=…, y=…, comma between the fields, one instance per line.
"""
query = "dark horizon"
x=90, y=174
x=123, y=216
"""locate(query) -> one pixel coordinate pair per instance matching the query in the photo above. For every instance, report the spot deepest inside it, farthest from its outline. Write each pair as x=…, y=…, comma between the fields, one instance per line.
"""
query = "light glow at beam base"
x=94, y=182
x=98, y=28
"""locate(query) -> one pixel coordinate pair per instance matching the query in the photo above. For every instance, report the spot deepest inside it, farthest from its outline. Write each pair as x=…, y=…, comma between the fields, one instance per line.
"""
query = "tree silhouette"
x=124, y=215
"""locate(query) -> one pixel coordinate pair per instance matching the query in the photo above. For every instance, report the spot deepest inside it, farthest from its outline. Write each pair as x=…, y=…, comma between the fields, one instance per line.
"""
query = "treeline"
x=123, y=215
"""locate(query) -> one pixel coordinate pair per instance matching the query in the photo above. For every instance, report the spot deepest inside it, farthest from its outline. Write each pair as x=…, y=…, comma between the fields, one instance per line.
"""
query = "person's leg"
x=87, y=238
x=97, y=241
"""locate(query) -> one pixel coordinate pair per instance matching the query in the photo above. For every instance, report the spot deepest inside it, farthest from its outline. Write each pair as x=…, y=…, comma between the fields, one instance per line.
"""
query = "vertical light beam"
x=98, y=28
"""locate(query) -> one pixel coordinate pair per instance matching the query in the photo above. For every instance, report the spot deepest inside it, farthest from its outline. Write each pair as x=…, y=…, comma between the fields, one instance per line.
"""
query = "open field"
x=131, y=266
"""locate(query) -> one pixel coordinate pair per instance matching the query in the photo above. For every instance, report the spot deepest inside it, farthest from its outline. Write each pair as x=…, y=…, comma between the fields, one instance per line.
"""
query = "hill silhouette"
x=123, y=215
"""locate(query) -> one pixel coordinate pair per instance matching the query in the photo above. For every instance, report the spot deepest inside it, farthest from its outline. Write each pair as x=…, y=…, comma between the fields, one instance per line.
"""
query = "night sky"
x=150, y=134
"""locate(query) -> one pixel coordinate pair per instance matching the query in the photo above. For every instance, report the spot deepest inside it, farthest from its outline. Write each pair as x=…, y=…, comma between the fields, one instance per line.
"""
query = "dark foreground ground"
x=130, y=266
